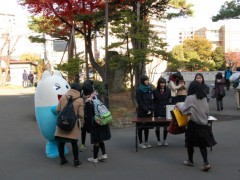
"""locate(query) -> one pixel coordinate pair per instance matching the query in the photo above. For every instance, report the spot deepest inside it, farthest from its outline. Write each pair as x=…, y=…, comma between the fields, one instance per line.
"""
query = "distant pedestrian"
x=24, y=79
x=199, y=77
x=234, y=77
x=63, y=136
x=144, y=96
x=219, y=90
x=227, y=75
x=198, y=133
x=174, y=87
x=99, y=133
x=162, y=96
x=30, y=78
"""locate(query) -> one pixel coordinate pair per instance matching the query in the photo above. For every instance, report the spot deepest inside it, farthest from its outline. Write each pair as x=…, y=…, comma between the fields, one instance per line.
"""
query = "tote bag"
x=173, y=128
x=180, y=118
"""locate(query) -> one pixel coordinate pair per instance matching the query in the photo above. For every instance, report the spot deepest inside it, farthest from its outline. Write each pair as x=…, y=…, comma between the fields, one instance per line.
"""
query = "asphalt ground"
x=23, y=149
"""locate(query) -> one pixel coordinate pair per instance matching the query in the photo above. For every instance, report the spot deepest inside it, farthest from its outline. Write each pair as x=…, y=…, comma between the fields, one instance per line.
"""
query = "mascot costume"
x=48, y=92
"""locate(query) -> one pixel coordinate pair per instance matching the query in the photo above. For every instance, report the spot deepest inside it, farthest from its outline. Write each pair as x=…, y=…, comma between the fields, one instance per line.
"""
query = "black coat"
x=98, y=133
x=145, y=102
x=219, y=89
x=161, y=99
x=206, y=90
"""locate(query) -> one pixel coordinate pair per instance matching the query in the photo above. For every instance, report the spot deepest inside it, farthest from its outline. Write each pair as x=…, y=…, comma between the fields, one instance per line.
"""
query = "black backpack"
x=67, y=118
x=236, y=82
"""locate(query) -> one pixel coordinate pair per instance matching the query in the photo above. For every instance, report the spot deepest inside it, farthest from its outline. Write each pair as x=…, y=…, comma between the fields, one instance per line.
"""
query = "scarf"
x=144, y=88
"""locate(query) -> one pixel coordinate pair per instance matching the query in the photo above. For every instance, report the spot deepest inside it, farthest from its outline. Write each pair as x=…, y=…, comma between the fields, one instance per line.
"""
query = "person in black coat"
x=162, y=96
x=86, y=128
x=99, y=133
x=199, y=77
x=219, y=90
x=144, y=98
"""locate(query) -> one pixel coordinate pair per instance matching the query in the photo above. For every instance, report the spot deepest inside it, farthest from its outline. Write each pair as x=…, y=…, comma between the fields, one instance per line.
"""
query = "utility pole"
x=106, y=55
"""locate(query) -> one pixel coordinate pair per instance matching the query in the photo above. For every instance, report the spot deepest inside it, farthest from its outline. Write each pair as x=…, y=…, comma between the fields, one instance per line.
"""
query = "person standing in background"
x=161, y=95
x=219, y=90
x=199, y=77
x=24, y=78
x=144, y=96
x=174, y=87
x=30, y=78
x=227, y=75
x=182, y=91
x=234, y=77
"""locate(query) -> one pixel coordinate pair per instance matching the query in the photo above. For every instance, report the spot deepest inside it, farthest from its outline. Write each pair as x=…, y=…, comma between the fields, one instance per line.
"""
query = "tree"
x=82, y=16
x=233, y=59
x=6, y=49
x=87, y=17
x=229, y=10
x=71, y=68
x=202, y=46
x=195, y=54
x=178, y=55
x=219, y=59
x=30, y=57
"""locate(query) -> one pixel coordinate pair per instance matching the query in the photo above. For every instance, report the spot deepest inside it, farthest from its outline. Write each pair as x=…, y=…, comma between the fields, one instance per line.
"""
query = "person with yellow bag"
x=198, y=133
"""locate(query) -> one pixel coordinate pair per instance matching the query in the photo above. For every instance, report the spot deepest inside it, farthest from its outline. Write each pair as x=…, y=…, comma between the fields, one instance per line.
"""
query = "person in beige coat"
x=174, y=87
x=62, y=136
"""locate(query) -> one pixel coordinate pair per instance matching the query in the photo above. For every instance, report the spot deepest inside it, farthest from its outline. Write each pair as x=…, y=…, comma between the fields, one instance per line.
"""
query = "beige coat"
x=173, y=88
x=79, y=109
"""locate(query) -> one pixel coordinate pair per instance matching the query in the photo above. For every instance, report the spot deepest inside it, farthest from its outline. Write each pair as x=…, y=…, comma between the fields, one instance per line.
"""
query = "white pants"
x=237, y=96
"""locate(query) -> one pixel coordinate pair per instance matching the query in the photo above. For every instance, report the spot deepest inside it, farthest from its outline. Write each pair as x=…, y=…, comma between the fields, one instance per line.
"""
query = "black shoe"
x=221, y=108
x=77, y=163
x=63, y=162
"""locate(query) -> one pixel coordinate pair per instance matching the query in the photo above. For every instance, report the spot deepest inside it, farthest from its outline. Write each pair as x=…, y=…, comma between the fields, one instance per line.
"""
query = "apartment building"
x=212, y=34
x=231, y=36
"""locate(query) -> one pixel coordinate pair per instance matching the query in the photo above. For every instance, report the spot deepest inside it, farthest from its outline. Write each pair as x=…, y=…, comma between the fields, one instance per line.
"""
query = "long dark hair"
x=161, y=80
x=200, y=74
x=196, y=88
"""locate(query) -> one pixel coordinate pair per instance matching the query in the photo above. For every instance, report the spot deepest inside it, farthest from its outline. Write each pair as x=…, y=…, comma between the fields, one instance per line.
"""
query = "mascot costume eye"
x=48, y=92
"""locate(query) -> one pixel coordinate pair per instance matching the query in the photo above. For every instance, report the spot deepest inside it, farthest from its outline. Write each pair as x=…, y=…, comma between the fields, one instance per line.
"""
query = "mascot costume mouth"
x=48, y=92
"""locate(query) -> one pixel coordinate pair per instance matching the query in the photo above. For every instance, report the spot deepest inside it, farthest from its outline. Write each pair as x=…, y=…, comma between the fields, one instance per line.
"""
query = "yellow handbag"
x=180, y=118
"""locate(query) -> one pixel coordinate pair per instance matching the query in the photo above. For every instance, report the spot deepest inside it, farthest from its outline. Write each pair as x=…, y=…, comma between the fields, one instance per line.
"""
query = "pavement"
x=23, y=149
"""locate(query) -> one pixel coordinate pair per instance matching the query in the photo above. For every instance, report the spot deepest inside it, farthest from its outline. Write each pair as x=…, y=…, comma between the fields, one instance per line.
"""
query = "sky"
x=203, y=8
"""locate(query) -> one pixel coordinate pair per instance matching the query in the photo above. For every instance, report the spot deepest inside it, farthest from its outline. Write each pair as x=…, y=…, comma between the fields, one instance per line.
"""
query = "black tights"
x=74, y=150
x=96, y=147
x=165, y=132
x=146, y=133
x=203, y=151
x=83, y=136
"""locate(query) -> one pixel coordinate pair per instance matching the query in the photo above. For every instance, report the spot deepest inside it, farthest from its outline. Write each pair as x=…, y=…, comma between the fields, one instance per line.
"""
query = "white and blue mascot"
x=48, y=92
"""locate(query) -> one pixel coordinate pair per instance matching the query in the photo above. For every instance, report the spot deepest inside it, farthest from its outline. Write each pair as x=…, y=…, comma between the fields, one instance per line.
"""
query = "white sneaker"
x=159, y=143
x=102, y=157
x=165, y=143
x=92, y=160
x=142, y=145
x=148, y=145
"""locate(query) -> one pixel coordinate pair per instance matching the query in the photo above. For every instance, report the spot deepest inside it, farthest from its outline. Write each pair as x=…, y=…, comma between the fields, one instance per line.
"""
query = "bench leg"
x=136, y=139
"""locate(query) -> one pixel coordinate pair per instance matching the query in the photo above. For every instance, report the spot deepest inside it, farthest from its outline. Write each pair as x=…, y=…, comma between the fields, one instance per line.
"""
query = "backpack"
x=67, y=118
x=236, y=82
x=102, y=115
